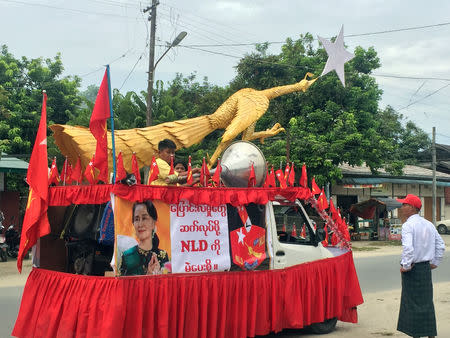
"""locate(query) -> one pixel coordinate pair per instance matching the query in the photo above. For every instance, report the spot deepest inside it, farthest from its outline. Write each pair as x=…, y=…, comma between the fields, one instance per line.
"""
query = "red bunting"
x=89, y=171
x=53, y=177
x=120, y=169
x=304, y=178
x=35, y=223
x=97, y=125
x=76, y=173
x=154, y=171
x=135, y=168
x=252, y=177
x=216, y=176
x=314, y=187
x=190, y=179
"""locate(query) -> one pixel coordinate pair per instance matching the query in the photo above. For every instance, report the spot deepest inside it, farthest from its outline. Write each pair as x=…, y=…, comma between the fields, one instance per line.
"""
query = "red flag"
x=76, y=173
x=66, y=173
x=242, y=211
x=266, y=181
x=303, y=233
x=204, y=174
x=216, y=176
x=283, y=228
x=333, y=210
x=322, y=201
x=304, y=178
x=97, y=125
x=35, y=223
x=120, y=169
x=135, y=168
x=252, y=177
x=291, y=178
x=154, y=171
x=189, y=179
x=53, y=176
x=280, y=176
x=325, y=241
x=334, y=239
x=294, y=231
x=272, y=182
x=314, y=187
x=171, y=170
x=89, y=171
x=286, y=171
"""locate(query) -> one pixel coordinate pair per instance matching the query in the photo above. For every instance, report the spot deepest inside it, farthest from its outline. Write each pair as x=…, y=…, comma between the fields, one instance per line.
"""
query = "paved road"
x=378, y=273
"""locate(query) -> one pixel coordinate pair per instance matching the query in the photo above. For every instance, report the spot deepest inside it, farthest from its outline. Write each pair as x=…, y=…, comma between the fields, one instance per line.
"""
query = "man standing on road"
x=423, y=249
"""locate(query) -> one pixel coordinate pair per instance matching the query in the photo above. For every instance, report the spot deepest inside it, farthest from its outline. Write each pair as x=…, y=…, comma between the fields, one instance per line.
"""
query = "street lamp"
x=151, y=72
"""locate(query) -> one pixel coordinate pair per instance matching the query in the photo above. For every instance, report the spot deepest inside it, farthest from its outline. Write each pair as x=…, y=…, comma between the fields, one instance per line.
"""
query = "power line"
x=423, y=98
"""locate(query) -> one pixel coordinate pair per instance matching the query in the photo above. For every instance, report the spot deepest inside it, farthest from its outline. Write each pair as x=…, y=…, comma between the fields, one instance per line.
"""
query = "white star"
x=337, y=56
x=91, y=163
x=241, y=236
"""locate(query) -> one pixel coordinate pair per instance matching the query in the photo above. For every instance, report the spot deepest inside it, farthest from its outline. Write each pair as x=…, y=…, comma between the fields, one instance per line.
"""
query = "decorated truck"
x=235, y=255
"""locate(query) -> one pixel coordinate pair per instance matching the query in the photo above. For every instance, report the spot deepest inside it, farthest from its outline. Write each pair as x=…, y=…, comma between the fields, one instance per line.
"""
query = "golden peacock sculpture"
x=238, y=114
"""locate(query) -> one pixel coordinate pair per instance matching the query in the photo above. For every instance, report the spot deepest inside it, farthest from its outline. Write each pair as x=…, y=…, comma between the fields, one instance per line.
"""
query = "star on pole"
x=337, y=56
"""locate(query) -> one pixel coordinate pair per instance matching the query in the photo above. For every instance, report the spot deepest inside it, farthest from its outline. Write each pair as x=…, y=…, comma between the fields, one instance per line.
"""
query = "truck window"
x=288, y=216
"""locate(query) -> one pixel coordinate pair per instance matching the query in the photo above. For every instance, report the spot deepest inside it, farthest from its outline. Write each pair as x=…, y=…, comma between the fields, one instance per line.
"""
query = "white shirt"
x=421, y=242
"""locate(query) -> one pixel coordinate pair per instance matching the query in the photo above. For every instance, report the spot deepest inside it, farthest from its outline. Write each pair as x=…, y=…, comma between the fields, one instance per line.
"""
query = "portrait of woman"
x=145, y=258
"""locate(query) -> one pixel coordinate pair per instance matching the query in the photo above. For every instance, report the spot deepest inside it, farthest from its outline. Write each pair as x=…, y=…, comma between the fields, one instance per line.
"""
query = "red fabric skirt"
x=226, y=304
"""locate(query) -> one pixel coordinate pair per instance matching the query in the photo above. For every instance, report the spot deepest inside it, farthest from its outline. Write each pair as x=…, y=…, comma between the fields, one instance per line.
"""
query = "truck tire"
x=442, y=229
x=3, y=256
x=326, y=326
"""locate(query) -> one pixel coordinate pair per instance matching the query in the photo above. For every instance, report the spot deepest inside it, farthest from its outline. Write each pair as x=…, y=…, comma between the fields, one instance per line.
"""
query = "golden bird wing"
x=251, y=105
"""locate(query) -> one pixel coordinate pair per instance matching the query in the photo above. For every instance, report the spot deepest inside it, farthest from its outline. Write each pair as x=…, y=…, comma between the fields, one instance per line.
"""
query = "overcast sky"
x=92, y=33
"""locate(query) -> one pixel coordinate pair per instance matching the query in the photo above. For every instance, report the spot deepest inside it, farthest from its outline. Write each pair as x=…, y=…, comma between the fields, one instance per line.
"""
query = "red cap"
x=411, y=200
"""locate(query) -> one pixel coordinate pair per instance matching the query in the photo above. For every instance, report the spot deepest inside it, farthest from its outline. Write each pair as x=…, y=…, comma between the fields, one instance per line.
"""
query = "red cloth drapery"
x=226, y=304
x=99, y=194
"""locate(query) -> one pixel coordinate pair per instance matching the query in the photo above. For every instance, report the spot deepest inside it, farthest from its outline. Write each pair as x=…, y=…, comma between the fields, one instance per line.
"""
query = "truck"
x=242, y=261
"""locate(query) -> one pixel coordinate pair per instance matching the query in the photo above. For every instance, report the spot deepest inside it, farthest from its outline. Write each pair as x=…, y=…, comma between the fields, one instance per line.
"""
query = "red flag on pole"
x=252, y=177
x=266, y=181
x=216, y=176
x=35, y=223
x=314, y=187
x=322, y=201
x=333, y=210
x=53, y=177
x=303, y=233
x=135, y=168
x=325, y=241
x=294, y=231
x=286, y=172
x=121, y=173
x=272, y=182
x=204, y=174
x=97, y=125
x=66, y=173
x=283, y=228
x=304, y=178
x=280, y=176
x=76, y=173
x=190, y=178
x=89, y=171
x=154, y=171
x=291, y=178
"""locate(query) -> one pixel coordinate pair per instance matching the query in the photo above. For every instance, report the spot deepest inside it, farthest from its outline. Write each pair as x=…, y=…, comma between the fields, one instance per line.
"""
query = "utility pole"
x=433, y=154
x=151, y=68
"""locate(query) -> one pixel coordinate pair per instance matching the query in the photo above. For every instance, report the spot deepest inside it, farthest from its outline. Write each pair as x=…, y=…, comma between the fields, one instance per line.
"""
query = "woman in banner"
x=145, y=258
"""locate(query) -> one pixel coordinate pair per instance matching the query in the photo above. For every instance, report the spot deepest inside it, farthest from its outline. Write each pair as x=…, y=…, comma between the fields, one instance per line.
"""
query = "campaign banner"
x=199, y=238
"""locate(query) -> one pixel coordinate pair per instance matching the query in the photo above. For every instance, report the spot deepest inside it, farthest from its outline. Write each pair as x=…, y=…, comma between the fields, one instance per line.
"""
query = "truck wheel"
x=325, y=327
x=442, y=229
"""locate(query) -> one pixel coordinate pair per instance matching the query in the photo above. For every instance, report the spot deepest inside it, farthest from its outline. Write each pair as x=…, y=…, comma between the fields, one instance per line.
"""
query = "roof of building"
x=411, y=174
x=9, y=164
